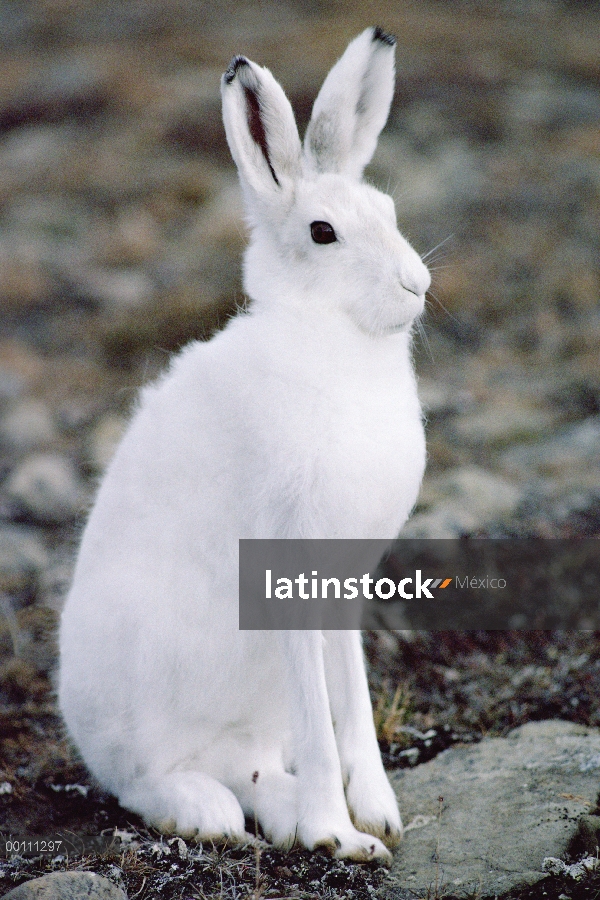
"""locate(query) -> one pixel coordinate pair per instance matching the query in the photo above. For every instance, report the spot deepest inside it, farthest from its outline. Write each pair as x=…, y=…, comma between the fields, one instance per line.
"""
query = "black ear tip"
x=233, y=66
x=383, y=37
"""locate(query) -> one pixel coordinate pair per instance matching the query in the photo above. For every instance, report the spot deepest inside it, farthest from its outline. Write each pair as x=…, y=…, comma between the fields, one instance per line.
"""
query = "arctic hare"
x=299, y=419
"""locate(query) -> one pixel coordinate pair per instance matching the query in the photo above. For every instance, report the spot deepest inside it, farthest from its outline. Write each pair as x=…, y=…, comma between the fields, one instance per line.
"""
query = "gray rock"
x=47, y=488
x=67, y=886
x=508, y=803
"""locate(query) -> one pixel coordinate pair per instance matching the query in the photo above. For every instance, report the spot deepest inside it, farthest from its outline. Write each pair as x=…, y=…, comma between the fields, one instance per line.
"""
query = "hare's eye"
x=322, y=233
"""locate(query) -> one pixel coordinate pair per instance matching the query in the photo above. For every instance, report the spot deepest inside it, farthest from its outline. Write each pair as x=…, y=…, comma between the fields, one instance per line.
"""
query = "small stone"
x=554, y=866
x=67, y=886
x=47, y=488
x=115, y=288
x=159, y=850
x=178, y=847
x=577, y=871
x=29, y=152
x=503, y=423
x=568, y=457
x=27, y=425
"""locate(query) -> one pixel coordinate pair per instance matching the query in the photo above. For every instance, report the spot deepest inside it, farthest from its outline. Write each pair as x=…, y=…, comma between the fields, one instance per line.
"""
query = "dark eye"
x=322, y=233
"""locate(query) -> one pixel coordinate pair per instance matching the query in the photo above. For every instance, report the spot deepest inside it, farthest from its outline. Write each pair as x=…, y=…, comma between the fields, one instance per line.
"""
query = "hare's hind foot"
x=278, y=815
x=274, y=799
x=346, y=842
x=191, y=804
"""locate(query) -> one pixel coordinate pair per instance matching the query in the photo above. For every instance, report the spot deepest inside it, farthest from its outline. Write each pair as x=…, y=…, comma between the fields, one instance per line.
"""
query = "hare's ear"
x=352, y=106
x=261, y=130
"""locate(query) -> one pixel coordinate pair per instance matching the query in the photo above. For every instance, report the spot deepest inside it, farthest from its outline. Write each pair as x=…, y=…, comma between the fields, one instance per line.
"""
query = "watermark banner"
x=470, y=584
x=59, y=844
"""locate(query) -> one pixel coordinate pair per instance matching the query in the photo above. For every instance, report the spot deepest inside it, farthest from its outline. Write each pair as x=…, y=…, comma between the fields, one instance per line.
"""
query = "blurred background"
x=121, y=232
x=121, y=235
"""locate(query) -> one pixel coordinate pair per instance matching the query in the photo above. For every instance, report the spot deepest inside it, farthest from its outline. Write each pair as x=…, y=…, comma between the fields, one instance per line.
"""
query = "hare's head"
x=320, y=234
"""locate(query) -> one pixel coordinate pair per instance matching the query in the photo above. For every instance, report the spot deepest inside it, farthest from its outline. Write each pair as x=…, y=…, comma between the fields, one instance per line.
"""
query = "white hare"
x=299, y=419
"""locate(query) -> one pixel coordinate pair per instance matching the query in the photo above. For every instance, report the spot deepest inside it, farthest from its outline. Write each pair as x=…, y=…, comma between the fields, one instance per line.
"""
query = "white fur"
x=299, y=419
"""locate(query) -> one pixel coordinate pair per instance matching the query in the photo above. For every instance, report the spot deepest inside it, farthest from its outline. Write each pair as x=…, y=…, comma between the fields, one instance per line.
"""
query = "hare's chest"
x=388, y=468
x=366, y=464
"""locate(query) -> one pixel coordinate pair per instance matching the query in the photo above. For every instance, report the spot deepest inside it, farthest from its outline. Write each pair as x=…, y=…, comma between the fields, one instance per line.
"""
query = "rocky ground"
x=121, y=235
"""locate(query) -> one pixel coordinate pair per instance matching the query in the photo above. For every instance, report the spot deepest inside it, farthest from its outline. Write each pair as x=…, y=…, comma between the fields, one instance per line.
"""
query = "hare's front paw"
x=373, y=805
x=344, y=842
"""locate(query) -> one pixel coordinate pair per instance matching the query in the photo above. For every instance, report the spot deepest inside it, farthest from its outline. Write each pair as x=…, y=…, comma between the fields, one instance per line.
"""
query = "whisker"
x=439, y=257
x=447, y=311
x=424, y=339
x=437, y=247
x=398, y=192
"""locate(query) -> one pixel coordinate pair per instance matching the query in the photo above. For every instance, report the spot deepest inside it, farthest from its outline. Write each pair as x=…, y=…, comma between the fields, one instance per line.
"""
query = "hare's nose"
x=415, y=278
x=411, y=271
